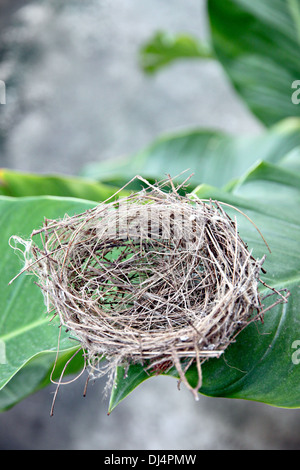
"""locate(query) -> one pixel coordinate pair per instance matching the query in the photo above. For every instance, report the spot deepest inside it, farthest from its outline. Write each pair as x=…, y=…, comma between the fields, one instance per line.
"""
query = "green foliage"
x=30, y=339
x=20, y=184
x=204, y=153
x=164, y=48
x=258, y=45
x=268, y=193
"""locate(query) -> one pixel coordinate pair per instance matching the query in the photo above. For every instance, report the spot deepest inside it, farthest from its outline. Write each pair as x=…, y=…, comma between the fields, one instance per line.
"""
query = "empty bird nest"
x=155, y=278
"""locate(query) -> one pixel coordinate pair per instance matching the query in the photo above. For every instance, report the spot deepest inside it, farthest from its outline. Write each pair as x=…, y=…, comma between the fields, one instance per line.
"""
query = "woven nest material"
x=154, y=278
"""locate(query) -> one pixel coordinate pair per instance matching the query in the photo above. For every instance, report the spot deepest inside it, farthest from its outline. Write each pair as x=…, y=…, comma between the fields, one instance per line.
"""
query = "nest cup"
x=155, y=278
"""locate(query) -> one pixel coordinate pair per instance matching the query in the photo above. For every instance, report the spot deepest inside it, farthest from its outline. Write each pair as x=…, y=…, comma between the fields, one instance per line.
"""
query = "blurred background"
x=75, y=95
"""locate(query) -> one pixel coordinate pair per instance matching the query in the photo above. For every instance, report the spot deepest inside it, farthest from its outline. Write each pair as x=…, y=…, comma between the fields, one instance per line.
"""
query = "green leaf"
x=27, y=337
x=203, y=153
x=35, y=374
x=258, y=44
x=258, y=366
x=125, y=382
x=291, y=161
x=19, y=184
x=164, y=48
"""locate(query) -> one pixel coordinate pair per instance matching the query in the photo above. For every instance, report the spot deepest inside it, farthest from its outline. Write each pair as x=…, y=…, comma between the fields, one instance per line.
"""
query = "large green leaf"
x=26, y=336
x=291, y=160
x=258, y=366
x=19, y=184
x=214, y=157
x=258, y=44
x=164, y=48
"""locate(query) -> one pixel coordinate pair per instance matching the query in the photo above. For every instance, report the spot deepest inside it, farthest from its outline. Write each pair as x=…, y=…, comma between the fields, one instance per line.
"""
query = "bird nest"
x=154, y=278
